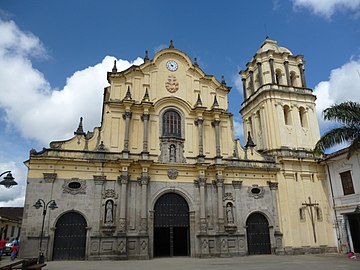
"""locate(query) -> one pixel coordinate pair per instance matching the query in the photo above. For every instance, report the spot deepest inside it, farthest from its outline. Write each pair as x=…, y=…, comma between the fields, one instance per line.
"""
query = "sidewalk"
x=269, y=262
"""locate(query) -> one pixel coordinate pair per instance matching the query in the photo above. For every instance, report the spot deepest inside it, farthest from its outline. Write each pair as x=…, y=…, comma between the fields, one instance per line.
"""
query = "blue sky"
x=54, y=56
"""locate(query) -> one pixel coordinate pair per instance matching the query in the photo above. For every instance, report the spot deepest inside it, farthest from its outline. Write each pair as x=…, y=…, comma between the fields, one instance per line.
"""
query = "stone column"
x=277, y=233
x=127, y=117
x=302, y=75
x=143, y=181
x=271, y=62
x=145, y=118
x=260, y=73
x=202, y=184
x=286, y=64
x=123, y=179
x=273, y=188
x=199, y=123
x=251, y=73
x=99, y=181
x=220, y=192
x=244, y=87
x=216, y=125
x=237, y=186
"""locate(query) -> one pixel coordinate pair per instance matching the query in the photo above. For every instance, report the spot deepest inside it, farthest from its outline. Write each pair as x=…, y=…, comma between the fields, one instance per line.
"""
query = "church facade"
x=164, y=176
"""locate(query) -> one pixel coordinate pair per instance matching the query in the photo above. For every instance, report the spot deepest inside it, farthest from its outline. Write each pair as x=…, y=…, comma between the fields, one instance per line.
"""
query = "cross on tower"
x=311, y=205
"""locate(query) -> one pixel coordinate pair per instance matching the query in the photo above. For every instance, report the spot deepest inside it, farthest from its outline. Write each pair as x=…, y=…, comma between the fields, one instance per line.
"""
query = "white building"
x=343, y=178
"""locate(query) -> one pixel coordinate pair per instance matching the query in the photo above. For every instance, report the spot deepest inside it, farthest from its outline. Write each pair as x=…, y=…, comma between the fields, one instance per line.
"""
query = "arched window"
x=303, y=119
x=171, y=124
x=293, y=78
x=287, y=115
x=318, y=211
x=250, y=126
x=278, y=76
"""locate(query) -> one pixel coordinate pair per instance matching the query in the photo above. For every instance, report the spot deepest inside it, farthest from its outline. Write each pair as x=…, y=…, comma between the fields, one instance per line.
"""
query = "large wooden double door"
x=171, y=226
x=70, y=237
x=257, y=232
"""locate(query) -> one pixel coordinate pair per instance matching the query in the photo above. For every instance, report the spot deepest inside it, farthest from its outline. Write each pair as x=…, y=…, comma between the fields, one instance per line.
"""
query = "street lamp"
x=8, y=181
x=52, y=205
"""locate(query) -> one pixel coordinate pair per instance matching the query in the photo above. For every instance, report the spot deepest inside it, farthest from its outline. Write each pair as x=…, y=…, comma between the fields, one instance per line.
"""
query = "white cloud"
x=327, y=8
x=238, y=128
x=238, y=84
x=31, y=105
x=36, y=110
x=343, y=85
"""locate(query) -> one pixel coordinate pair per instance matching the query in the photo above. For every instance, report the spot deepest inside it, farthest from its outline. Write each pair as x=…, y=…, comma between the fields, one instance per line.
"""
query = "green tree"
x=348, y=115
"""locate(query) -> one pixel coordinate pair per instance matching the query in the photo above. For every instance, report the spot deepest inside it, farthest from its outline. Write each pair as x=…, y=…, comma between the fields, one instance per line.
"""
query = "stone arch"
x=287, y=115
x=182, y=193
x=293, y=81
x=278, y=77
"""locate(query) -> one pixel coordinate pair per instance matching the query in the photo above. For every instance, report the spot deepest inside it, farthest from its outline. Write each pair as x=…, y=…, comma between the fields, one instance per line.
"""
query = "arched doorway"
x=354, y=224
x=171, y=226
x=257, y=232
x=70, y=237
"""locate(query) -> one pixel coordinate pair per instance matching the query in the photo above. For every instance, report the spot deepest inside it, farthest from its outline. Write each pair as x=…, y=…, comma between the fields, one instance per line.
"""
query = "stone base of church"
x=309, y=250
x=221, y=245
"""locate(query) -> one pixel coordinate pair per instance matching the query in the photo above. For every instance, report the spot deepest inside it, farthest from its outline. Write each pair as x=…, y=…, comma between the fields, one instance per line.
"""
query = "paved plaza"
x=269, y=262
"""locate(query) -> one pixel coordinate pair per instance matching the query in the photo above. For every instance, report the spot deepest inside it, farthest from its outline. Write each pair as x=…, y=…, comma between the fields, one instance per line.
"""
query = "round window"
x=74, y=185
x=255, y=190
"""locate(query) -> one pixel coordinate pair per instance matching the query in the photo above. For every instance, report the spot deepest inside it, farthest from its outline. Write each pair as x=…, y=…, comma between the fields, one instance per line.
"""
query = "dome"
x=269, y=44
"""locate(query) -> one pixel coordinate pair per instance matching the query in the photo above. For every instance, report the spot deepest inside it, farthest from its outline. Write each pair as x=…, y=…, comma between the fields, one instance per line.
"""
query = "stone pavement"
x=269, y=262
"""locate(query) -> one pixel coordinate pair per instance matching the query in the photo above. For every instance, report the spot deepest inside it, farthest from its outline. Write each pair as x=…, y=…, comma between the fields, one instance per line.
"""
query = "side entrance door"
x=70, y=237
x=257, y=232
x=354, y=224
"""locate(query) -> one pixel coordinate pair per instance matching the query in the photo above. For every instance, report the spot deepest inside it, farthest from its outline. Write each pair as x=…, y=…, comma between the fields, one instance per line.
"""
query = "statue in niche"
x=172, y=156
x=109, y=212
x=229, y=213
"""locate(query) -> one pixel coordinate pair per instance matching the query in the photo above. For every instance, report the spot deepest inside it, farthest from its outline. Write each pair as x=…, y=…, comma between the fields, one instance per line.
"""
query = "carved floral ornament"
x=228, y=196
x=172, y=85
x=110, y=193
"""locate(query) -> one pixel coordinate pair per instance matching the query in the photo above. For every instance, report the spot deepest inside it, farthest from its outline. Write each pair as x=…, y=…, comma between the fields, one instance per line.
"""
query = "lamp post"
x=52, y=205
x=8, y=181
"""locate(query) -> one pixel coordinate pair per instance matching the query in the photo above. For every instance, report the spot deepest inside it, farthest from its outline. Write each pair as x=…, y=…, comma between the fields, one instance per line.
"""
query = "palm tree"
x=348, y=114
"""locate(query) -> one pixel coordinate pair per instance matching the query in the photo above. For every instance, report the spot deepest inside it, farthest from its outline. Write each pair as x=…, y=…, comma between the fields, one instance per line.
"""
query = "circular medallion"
x=171, y=65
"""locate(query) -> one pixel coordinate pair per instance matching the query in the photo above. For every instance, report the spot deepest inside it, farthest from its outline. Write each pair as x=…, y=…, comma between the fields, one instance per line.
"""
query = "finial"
x=146, y=96
x=195, y=62
x=250, y=143
x=80, y=130
x=223, y=80
x=198, y=102
x=171, y=44
x=114, y=69
x=146, y=58
x=128, y=93
x=215, y=104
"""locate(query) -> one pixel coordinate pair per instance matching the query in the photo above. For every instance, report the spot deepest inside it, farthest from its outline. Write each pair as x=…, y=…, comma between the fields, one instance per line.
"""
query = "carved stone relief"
x=74, y=186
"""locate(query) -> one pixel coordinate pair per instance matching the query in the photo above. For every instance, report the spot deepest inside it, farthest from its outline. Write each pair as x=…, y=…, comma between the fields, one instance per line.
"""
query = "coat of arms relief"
x=172, y=85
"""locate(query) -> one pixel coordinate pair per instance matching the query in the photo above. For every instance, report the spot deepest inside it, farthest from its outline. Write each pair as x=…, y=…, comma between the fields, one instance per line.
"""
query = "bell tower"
x=278, y=109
